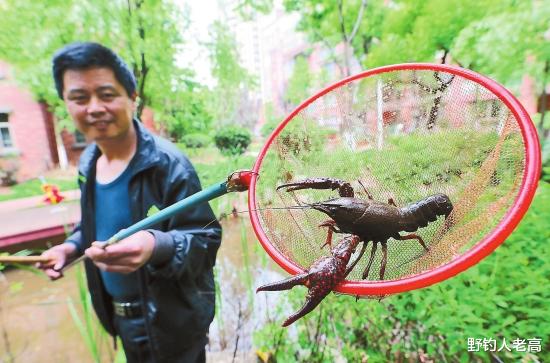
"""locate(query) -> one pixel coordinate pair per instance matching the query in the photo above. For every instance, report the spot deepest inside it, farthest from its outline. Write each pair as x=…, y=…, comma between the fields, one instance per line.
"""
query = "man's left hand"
x=125, y=256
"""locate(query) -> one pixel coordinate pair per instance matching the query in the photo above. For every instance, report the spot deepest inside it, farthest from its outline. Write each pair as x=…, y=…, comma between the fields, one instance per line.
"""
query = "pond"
x=36, y=324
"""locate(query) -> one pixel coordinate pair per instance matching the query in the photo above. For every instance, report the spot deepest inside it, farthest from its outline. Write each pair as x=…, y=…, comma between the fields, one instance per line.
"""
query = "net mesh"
x=404, y=135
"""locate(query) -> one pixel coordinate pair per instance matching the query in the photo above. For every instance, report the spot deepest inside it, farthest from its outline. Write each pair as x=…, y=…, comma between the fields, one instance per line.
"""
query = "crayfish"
x=365, y=220
x=321, y=278
x=371, y=220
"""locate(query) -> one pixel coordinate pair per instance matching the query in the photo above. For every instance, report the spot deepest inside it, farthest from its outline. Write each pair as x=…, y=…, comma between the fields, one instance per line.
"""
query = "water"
x=36, y=326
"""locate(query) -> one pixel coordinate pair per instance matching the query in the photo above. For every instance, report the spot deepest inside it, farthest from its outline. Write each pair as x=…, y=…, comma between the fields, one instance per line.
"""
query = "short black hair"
x=82, y=55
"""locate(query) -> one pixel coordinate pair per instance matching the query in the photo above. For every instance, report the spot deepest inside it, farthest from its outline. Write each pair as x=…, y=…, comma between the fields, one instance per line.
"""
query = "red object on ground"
x=52, y=194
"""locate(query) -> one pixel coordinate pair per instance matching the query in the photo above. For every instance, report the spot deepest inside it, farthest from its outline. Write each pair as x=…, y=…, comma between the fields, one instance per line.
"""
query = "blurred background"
x=216, y=77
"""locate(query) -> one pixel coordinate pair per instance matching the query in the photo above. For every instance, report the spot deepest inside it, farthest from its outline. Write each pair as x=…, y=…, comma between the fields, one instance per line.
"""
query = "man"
x=154, y=289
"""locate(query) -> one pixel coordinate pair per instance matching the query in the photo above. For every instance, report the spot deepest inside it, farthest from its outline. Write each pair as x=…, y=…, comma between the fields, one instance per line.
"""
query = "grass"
x=33, y=187
x=503, y=297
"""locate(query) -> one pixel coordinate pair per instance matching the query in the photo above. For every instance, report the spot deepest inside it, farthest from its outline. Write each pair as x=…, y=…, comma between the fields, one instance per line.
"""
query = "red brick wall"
x=27, y=127
x=50, y=131
x=72, y=149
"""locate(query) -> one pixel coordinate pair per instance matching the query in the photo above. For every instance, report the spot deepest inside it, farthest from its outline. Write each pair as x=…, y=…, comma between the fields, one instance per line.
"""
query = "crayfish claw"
x=321, y=278
x=286, y=284
x=309, y=305
x=344, y=188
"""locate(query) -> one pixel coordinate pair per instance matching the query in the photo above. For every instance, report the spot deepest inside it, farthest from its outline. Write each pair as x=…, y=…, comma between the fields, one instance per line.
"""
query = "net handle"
x=531, y=176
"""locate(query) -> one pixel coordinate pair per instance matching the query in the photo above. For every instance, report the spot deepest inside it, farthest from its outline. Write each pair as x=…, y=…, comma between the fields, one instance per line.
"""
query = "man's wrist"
x=69, y=248
x=164, y=249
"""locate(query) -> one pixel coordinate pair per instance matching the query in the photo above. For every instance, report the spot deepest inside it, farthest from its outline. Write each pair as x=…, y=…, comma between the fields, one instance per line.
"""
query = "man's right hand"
x=58, y=256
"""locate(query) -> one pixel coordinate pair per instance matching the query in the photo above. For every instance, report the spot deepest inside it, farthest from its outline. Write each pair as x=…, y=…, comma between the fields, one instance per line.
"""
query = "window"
x=79, y=140
x=6, y=140
x=79, y=137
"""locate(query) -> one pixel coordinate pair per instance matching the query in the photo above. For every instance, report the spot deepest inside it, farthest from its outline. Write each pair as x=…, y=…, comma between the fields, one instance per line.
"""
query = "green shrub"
x=232, y=140
x=503, y=297
x=195, y=140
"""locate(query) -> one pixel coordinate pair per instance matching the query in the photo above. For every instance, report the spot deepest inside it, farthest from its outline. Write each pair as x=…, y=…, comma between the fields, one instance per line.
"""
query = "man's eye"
x=107, y=95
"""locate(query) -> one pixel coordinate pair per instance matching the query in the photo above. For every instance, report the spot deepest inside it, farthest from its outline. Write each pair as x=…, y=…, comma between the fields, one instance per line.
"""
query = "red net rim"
x=483, y=248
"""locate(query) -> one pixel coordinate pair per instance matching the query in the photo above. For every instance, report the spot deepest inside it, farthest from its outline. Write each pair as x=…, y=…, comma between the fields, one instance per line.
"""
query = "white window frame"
x=4, y=150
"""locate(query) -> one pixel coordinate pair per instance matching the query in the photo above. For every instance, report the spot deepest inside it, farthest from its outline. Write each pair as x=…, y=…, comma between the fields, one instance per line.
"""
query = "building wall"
x=28, y=127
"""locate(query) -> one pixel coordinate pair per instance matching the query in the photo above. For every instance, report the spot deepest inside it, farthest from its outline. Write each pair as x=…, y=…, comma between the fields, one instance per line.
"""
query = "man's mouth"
x=99, y=124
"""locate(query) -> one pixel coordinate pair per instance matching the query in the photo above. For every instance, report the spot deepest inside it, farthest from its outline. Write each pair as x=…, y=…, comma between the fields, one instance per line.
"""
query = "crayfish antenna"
x=286, y=284
x=309, y=305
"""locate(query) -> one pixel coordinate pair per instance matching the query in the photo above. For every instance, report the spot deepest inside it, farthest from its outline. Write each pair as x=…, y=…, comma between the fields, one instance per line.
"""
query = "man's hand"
x=125, y=256
x=58, y=256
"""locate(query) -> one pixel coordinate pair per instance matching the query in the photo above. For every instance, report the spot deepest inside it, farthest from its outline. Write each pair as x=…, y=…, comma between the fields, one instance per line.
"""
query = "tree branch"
x=144, y=69
x=341, y=18
x=358, y=20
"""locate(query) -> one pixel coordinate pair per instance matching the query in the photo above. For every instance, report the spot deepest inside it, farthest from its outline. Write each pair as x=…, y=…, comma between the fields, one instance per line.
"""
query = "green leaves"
x=233, y=82
x=518, y=47
x=501, y=298
x=232, y=140
x=147, y=34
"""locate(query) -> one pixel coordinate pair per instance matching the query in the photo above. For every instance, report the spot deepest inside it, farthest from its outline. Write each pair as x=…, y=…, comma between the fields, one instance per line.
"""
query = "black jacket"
x=177, y=296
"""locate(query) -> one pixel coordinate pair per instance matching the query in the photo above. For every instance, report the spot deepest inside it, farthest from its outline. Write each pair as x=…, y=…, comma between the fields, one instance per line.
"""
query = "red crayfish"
x=366, y=220
x=321, y=278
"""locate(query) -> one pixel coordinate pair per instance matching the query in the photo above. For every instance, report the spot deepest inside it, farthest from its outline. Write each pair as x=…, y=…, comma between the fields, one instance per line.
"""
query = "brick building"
x=27, y=144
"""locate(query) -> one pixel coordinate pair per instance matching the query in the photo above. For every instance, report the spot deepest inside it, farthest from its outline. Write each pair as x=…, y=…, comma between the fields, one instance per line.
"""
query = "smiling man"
x=154, y=289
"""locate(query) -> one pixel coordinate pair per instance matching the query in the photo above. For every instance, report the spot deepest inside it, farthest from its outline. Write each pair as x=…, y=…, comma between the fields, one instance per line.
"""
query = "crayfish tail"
x=286, y=284
x=305, y=309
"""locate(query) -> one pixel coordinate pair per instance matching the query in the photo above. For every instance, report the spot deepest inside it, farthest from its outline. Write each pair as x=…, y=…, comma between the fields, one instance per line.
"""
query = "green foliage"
x=187, y=111
x=147, y=34
x=249, y=9
x=417, y=30
x=503, y=297
x=321, y=22
x=299, y=84
x=95, y=337
x=519, y=46
x=272, y=120
x=195, y=141
x=232, y=80
x=232, y=140
x=269, y=127
x=33, y=187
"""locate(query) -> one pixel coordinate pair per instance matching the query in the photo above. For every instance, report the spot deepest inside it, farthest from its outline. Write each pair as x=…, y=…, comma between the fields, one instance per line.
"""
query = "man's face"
x=98, y=103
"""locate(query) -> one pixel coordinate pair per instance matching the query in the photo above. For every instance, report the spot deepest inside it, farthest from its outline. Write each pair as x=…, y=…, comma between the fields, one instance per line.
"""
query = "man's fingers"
x=59, y=264
x=53, y=275
x=52, y=261
x=96, y=251
x=99, y=244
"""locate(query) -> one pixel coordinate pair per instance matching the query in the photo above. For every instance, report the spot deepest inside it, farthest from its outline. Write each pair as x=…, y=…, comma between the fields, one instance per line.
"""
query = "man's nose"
x=96, y=106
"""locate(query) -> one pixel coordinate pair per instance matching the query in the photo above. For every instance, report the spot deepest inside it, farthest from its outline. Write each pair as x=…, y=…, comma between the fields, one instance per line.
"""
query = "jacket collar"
x=145, y=157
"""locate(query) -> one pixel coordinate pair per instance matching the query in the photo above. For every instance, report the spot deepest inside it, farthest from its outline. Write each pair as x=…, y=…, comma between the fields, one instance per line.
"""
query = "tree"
x=248, y=9
x=354, y=24
x=417, y=31
x=147, y=34
x=519, y=45
x=300, y=82
x=233, y=81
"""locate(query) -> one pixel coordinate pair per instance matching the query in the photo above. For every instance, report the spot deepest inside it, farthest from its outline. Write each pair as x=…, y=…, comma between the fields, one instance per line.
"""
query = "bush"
x=503, y=297
x=8, y=171
x=232, y=140
x=195, y=140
